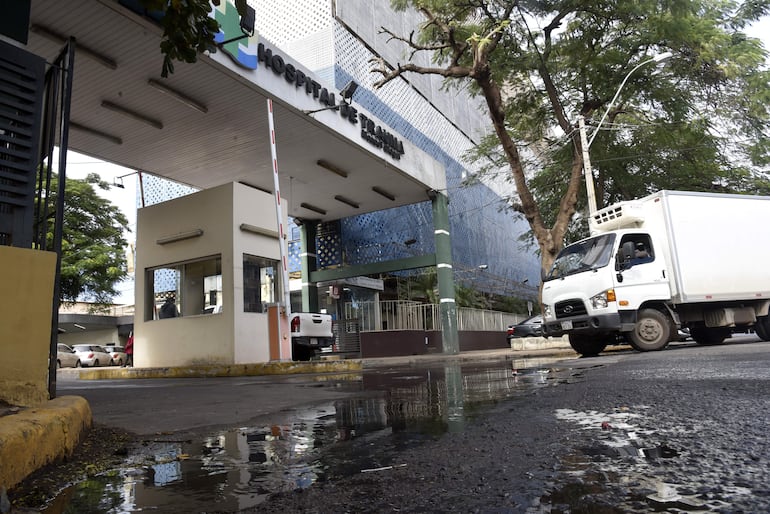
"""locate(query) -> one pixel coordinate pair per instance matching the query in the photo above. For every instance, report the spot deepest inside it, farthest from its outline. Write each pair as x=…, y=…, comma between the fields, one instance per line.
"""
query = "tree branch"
x=389, y=74
x=414, y=45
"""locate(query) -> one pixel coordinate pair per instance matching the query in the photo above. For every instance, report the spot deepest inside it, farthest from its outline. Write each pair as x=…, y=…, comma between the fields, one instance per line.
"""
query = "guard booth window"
x=184, y=289
x=260, y=286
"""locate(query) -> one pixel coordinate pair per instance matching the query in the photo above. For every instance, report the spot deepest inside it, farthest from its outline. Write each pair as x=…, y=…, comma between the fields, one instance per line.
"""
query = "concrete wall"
x=231, y=336
x=482, y=340
x=27, y=278
x=255, y=208
x=190, y=339
x=101, y=337
x=392, y=343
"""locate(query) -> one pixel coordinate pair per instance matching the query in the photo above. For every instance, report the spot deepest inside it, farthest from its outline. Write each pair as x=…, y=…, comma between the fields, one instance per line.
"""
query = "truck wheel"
x=587, y=346
x=301, y=353
x=762, y=328
x=708, y=336
x=651, y=332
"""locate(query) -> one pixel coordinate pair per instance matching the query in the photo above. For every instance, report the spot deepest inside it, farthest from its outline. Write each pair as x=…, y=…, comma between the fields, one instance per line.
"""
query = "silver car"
x=93, y=355
x=66, y=357
x=118, y=354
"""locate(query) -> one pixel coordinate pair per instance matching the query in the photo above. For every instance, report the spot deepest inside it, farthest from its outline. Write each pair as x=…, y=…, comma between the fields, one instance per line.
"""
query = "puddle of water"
x=237, y=469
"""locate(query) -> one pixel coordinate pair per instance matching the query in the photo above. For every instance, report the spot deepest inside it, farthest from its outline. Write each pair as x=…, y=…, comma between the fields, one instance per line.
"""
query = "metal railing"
x=482, y=319
x=408, y=315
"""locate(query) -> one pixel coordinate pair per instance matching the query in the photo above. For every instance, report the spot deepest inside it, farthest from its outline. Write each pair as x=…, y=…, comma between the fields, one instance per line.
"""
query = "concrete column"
x=309, y=263
x=446, y=288
x=377, y=311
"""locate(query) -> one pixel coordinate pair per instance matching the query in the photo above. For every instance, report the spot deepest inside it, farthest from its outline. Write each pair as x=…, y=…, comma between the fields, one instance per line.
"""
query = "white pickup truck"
x=310, y=332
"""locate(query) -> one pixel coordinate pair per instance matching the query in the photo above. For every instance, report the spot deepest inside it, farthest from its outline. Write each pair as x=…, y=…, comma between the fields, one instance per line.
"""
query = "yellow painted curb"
x=231, y=370
x=41, y=435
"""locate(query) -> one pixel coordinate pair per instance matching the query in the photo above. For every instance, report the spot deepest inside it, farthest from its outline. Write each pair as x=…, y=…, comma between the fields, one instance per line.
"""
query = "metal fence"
x=408, y=315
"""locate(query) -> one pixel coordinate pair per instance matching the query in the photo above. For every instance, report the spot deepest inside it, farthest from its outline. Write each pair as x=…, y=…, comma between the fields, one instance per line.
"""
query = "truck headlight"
x=601, y=300
x=546, y=311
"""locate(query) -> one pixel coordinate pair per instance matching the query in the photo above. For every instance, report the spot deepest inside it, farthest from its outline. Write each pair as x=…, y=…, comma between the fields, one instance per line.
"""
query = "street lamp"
x=586, y=143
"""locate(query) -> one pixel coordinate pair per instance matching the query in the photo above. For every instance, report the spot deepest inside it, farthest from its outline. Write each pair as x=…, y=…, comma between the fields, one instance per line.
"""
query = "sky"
x=78, y=166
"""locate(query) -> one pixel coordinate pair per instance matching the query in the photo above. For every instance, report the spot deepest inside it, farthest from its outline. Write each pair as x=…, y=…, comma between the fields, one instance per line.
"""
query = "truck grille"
x=569, y=308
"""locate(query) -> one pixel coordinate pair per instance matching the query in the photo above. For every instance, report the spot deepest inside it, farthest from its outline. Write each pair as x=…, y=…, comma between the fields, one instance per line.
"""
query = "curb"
x=35, y=437
x=228, y=370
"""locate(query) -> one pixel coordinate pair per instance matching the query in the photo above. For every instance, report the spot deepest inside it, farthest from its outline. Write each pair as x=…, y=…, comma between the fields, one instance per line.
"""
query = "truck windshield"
x=585, y=255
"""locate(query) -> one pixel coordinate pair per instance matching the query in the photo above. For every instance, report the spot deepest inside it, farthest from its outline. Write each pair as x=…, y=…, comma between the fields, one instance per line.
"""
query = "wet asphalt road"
x=680, y=430
x=150, y=406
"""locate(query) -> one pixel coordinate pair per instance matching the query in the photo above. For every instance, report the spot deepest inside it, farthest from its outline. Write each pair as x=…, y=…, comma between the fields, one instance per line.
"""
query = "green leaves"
x=188, y=30
x=698, y=122
x=93, y=247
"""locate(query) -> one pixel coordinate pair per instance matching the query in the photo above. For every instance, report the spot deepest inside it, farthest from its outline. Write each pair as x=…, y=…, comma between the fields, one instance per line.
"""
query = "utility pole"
x=585, y=143
x=587, y=171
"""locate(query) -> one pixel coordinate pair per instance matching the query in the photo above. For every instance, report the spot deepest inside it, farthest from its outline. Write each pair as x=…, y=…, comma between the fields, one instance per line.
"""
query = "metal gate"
x=347, y=336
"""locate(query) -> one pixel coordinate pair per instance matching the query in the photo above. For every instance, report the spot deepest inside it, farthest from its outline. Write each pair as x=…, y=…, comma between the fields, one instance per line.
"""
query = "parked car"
x=93, y=355
x=66, y=357
x=530, y=327
x=118, y=354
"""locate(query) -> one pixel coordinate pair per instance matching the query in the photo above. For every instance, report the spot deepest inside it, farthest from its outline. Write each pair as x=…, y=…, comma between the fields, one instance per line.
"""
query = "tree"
x=93, y=247
x=188, y=30
x=701, y=123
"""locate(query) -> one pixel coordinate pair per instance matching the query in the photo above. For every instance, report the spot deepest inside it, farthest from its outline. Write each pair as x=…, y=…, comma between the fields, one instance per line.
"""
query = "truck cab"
x=597, y=287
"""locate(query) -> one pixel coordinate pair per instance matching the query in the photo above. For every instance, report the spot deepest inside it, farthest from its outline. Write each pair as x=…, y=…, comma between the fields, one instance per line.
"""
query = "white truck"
x=310, y=333
x=667, y=261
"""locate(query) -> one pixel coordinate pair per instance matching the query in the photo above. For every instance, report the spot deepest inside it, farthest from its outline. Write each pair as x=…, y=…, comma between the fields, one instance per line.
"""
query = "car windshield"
x=586, y=255
x=533, y=320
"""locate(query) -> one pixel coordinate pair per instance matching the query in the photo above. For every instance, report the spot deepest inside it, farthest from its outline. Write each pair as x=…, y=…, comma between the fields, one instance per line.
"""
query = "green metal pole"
x=446, y=288
x=309, y=264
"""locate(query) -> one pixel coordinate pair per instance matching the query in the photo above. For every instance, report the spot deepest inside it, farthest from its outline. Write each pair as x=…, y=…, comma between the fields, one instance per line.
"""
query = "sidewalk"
x=31, y=438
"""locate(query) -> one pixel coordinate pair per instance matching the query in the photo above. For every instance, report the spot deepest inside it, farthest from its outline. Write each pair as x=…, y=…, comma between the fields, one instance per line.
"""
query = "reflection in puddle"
x=237, y=469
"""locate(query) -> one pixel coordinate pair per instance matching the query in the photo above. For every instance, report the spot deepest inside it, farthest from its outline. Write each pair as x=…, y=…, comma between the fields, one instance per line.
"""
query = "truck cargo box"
x=717, y=243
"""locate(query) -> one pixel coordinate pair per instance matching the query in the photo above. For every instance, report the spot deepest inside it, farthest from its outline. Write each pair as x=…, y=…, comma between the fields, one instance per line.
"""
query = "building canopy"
x=207, y=123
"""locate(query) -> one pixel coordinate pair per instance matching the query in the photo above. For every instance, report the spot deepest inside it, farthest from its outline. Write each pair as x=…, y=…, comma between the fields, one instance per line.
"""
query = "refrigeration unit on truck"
x=667, y=261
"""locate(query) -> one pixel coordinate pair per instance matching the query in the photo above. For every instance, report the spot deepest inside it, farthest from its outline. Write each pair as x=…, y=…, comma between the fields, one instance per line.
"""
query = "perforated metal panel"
x=283, y=22
x=387, y=235
x=157, y=189
x=22, y=76
x=329, y=244
x=483, y=231
x=302, y=29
